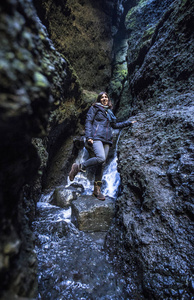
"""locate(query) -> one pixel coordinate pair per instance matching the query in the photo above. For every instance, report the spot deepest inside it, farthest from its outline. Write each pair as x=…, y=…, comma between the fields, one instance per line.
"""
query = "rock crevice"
x=44, y=100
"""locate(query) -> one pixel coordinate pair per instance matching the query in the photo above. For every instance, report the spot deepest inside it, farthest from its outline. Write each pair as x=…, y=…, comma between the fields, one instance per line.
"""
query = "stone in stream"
x=63, y=197
x=90, y=214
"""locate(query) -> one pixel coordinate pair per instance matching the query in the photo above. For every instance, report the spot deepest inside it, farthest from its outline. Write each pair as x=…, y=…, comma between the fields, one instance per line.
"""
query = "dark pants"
x=101, y=152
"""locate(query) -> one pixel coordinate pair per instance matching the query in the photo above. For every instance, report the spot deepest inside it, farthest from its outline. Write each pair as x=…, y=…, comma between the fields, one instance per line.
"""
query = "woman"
x=99, y=121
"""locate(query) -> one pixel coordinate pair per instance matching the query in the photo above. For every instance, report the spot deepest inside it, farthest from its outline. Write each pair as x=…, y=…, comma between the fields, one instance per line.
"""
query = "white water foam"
x=111, y=177
x=81, y=177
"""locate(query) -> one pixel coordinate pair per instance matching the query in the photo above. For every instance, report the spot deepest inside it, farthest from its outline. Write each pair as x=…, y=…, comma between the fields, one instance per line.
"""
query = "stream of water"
x=73, y=264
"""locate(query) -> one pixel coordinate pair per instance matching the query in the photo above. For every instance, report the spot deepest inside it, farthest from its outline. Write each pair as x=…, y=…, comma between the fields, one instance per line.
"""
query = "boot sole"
x=102, y=199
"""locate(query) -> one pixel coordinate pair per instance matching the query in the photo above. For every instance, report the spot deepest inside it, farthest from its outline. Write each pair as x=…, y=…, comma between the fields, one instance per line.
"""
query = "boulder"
x=90, y=214
x=63, y=197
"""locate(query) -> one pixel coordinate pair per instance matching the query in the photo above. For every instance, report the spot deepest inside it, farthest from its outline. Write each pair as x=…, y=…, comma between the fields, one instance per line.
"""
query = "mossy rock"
x=148, y=33
x=88, y=97
x=130, y=20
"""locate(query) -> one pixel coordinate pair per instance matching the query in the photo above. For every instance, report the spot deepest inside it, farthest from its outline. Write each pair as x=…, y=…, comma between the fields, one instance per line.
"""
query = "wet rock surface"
x=154, y=219
x=167, y=68
x=63, y=197
x=155, y=208
x=42, y=106
x=35, y=80
x=90, y=214
x=73, y=262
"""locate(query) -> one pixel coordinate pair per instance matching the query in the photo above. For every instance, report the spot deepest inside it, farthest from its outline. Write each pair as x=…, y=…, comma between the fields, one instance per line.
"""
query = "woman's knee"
x=101, y=159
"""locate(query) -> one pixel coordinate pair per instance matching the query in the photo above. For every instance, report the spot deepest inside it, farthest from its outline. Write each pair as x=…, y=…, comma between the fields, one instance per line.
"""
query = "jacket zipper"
x=96, y=129
x=107, y=130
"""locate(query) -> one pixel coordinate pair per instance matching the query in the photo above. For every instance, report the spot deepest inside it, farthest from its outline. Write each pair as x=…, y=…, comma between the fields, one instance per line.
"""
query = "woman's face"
x=104, y=99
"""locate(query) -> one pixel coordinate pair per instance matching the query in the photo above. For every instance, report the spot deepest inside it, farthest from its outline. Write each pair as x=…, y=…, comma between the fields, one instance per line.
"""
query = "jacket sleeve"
x=118, y=125
x=89, y=122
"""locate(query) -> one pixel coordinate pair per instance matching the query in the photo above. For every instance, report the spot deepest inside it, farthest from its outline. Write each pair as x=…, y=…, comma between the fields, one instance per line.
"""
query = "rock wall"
x=81, y=30
x=43, y=106
x=152, y=234
x=37, y=86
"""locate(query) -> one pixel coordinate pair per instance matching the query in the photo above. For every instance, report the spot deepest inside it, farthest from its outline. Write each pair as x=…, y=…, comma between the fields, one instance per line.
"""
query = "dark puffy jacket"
x=98, y=126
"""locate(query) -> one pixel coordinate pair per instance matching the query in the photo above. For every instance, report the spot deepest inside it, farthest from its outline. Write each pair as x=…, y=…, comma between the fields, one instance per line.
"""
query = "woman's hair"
x=99, y=97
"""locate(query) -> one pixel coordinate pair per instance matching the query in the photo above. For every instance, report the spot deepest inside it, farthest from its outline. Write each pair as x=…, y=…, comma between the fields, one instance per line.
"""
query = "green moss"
x=148, y=33
x=74, y=76
x=130, y=13
x=142, y=3
x=130, y=20
x=40, y=80
x=89, y=96
x=119, y=77
x=18, y=65
x=115, y=85
x=120, y=72
x=183, y=2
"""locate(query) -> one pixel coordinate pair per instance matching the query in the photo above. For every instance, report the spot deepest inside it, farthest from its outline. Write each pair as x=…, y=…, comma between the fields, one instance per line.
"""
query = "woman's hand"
x=90, y=141
x=133, y=121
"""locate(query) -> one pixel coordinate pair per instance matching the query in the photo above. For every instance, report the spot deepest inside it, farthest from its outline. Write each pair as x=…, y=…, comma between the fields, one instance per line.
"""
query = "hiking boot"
x=74, y=170
x=97, y=193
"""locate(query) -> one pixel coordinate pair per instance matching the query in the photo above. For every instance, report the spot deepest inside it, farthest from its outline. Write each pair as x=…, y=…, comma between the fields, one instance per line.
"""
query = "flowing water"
x=111, y=177
x=73, y=264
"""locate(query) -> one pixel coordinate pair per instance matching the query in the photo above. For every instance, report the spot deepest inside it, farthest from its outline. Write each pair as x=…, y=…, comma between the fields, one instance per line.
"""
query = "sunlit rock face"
x=81, y=30
x=155, y=157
